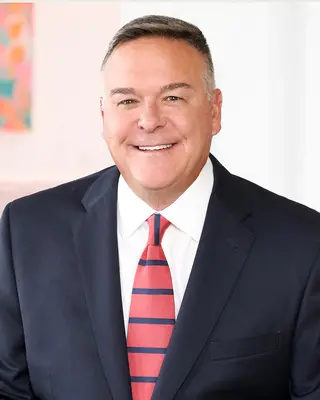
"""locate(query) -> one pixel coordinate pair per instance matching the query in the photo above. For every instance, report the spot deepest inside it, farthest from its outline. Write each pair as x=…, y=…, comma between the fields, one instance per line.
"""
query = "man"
x=165, y=275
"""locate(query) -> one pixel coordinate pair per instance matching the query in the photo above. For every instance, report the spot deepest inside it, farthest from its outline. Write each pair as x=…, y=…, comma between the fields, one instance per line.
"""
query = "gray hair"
x=166, y=27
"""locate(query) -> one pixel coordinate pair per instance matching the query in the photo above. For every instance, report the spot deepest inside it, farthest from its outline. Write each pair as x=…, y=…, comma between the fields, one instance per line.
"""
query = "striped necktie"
x=152, y=313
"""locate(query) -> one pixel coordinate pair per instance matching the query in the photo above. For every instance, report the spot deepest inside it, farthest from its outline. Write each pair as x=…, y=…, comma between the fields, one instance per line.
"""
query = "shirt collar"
x=187, y=213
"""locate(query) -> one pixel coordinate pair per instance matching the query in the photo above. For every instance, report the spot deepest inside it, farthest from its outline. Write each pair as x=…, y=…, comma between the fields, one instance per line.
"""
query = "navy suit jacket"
x=249, y=323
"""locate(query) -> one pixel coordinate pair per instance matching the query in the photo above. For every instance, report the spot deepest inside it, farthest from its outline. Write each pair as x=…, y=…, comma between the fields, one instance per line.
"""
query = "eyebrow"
x=166, y=88
x=175, y=85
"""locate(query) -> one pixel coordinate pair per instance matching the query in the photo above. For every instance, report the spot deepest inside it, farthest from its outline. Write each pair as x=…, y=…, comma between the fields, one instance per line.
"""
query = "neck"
x=159, y=199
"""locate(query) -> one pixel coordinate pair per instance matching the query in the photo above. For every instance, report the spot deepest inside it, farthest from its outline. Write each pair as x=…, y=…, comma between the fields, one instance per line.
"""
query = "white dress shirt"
x=180, y=241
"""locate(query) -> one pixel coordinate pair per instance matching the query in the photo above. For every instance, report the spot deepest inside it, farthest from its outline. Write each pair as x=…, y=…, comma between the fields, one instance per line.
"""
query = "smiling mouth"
x=155, y=148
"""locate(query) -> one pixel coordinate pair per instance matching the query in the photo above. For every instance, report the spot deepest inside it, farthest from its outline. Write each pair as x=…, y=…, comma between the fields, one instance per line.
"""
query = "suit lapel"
x=221, y=254
x=97, y=249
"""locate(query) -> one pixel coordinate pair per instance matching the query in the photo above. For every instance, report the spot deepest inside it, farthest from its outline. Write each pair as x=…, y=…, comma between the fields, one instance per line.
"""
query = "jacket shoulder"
x=64, y=195
x=277, y=208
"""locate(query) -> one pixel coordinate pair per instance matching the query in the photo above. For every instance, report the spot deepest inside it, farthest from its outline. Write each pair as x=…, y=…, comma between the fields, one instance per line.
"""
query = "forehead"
x=152, y=60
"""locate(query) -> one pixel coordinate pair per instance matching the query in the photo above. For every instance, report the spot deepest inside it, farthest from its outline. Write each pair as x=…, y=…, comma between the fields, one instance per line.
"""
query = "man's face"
x=155, y=97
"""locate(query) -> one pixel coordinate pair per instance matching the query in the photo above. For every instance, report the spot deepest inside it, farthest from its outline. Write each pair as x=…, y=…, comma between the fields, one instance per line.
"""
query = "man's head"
x=159, y=90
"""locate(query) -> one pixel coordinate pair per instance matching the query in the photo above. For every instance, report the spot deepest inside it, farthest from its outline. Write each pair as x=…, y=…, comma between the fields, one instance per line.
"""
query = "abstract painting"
x=15, y=66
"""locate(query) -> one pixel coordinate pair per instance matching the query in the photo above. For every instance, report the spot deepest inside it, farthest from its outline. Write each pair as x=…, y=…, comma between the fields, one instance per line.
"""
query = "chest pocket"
x=244, y=347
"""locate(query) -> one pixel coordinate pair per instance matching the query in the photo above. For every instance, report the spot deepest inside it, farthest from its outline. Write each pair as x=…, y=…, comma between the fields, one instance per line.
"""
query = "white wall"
x=267, y=63
x=311, y=138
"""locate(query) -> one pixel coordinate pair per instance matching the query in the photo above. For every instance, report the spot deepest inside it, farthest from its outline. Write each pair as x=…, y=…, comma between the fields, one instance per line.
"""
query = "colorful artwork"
x=15, y=66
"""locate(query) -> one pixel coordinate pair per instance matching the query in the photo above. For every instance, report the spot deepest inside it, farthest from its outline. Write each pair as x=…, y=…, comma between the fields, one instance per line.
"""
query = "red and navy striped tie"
x=152, y=313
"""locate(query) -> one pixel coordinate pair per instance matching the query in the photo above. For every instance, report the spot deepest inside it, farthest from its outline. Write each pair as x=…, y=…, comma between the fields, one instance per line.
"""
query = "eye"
x=127, y=102
x=173, y=98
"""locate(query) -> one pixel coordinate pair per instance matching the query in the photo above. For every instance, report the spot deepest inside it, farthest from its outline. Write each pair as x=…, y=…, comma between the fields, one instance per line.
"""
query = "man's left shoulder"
x=279, y=210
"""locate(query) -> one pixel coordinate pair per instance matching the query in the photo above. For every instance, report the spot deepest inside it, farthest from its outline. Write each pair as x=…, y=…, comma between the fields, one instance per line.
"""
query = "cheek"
x=116, y=129
x=201, y=122
x=188, y=116
x=182, y=121
x=190, y=126
x=196, y=132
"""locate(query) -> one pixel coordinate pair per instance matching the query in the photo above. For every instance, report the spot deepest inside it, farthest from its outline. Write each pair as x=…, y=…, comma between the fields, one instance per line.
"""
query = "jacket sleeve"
x=305, y=369
x=14, y=377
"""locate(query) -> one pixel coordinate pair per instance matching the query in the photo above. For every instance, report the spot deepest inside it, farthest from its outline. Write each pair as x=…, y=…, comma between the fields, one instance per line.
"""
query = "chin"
x=153, y=183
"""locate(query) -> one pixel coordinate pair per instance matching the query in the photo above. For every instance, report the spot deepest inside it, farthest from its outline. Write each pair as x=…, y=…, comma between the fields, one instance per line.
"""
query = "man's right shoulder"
x=65, y=196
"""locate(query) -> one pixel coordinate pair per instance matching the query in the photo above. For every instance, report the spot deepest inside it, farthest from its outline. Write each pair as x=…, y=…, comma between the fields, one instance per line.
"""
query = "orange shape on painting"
x=11, y=116
x=17, y=55
x=14, y=7
x=15, y=30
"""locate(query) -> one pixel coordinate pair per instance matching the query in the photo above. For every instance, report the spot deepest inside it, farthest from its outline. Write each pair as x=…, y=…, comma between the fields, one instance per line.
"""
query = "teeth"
x=165, y=146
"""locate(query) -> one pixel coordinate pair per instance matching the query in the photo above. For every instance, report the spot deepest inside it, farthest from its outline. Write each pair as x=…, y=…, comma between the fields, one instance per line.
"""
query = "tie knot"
x=157, y=227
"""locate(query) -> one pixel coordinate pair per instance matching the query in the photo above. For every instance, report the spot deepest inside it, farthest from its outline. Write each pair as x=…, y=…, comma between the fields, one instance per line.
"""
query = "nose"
x=151, y=118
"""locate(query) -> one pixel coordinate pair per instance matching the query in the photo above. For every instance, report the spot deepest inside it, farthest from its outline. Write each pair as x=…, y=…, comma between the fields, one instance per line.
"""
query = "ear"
x=216, y=104
x=101, y=107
